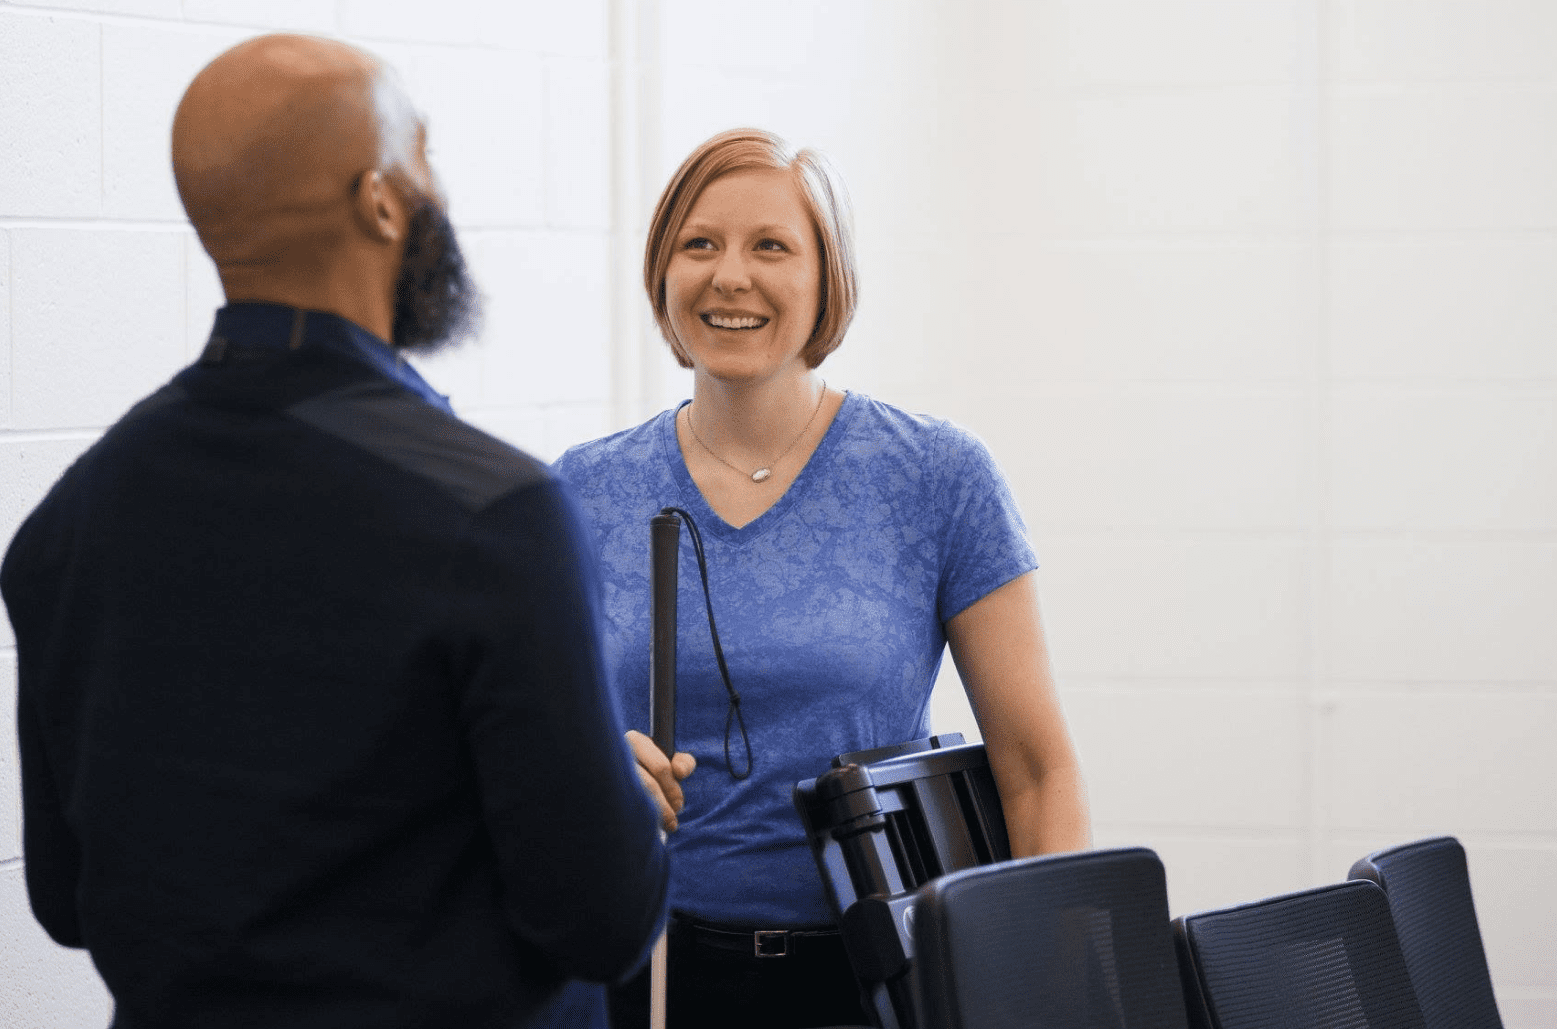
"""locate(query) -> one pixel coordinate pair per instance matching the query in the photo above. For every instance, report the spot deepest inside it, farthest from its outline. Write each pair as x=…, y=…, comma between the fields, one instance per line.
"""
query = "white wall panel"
x=5, y=330
x=1133, y=164
x=98, y=323
x=1413, y=459
x=580, y=28
x=45, y=984
x=1444, y=40
x=1170, y=755
x=133, y=8
x=548, y=328
x=1172, y=311
x=1443, y=610
x=1424, y=762
x=1117, y=42
x=1471, y=159
x=51, y=79
x=1156, y=458
x=309, y=16
x=469, y=23
x=1173, y=608
x=763, y=37
x=578, y=144
x=1519, y=1010
x=1446, y=307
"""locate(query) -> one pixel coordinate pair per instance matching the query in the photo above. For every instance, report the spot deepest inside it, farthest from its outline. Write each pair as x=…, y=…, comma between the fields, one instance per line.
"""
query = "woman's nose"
x=731, y=275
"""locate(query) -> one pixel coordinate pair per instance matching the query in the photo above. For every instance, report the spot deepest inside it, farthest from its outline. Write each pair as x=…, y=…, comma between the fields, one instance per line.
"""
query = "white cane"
x=664, y=548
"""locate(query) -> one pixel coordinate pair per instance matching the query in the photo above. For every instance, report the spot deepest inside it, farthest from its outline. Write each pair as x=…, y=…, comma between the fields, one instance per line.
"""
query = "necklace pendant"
x=761, y=474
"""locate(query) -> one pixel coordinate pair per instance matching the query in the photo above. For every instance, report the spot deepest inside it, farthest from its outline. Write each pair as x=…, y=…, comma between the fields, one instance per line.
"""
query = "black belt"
x=760, y=943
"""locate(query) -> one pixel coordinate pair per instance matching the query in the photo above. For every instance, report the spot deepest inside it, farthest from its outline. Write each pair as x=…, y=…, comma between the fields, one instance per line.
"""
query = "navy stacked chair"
x=1071, y=941
x=1428, y=886
x=1326, y=958
x=883, y=823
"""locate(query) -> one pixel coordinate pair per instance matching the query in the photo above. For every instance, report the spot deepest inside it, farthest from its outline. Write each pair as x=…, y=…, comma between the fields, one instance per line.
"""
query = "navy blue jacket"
x=312, y=713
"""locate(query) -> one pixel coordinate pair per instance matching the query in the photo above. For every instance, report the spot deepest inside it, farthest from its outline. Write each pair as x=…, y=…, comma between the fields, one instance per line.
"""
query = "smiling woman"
x=847, y=541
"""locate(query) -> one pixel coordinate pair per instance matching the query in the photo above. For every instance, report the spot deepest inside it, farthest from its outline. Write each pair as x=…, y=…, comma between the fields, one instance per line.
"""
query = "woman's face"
x=743, y=287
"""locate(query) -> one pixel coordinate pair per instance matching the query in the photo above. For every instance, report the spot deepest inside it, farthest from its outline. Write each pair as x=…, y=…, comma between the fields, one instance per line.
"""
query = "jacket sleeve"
x=52, y=858
x=50, y=851
x=584, y=870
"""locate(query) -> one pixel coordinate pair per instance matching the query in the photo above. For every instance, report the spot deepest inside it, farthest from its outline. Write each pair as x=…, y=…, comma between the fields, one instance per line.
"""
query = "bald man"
x=311, y=711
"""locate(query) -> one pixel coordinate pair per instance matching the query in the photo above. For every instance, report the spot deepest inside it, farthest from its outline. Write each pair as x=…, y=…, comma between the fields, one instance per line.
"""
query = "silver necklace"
x=766, y=471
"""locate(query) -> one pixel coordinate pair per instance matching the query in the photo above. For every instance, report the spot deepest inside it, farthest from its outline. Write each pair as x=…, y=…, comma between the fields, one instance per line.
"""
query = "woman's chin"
x=747, y=370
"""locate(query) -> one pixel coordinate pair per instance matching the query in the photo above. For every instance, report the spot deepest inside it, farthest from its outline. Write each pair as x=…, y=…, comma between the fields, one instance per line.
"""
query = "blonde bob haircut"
x=826, y=201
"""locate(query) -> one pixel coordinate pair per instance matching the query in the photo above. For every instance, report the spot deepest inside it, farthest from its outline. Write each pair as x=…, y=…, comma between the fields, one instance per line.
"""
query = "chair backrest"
x=1326, y=957
x=1428, y=886
x=1080, y=941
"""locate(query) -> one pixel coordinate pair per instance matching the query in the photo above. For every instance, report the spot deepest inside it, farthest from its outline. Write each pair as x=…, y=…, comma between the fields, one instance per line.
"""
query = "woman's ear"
x=379, y=208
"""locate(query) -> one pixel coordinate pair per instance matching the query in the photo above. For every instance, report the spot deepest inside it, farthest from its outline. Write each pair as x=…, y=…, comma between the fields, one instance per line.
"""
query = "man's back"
x=312, y=713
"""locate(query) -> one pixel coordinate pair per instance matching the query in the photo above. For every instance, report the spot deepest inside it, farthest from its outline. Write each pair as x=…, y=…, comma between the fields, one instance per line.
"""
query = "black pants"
x=715, y=984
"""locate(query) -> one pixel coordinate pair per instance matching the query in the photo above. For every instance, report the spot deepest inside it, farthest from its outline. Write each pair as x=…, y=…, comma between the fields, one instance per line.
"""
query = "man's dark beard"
x=436, y=303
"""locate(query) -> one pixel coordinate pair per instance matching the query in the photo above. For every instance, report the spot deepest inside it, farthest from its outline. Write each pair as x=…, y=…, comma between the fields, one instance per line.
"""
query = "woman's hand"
x=661, y=776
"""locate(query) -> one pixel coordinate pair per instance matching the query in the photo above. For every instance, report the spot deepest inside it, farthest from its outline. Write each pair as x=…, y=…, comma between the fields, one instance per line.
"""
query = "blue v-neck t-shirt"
x=831, y=608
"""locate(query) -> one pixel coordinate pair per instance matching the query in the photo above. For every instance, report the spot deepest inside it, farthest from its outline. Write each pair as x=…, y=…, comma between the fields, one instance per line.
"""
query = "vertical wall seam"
x=102, y=123
x=631, y=360
x=10, y=329
x=1319, y=709
x=622, y=115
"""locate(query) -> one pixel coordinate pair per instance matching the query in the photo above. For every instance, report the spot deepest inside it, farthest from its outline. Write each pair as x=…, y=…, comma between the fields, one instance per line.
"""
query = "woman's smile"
x=722, y=320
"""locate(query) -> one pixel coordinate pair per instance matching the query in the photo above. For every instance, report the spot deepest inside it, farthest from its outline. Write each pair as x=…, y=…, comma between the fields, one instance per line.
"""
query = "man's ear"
x=379, y=208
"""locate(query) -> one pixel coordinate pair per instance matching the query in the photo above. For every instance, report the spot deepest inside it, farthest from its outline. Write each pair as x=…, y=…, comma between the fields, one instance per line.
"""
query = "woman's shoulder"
x=927, y=439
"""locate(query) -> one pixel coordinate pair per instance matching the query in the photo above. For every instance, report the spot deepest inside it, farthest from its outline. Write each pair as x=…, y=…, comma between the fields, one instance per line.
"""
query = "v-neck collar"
x=709, y=520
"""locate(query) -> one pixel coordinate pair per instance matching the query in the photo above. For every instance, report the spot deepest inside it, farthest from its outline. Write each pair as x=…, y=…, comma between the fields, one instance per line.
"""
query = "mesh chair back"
x=1080, y=941
x=1428, y=886
x=1324, y=958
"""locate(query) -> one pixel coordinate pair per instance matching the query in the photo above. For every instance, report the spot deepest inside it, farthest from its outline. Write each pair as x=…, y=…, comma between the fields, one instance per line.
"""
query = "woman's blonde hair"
x=826, y=201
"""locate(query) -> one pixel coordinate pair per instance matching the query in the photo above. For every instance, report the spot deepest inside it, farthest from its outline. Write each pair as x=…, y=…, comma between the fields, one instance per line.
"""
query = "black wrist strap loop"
x=733, y=716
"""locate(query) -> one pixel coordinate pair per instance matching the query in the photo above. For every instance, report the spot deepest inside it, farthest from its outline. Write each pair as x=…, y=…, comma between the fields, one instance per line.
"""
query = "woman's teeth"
x=720, y=321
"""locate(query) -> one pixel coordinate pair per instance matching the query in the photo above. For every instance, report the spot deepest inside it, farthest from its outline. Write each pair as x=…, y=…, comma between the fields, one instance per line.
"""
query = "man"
x=312, y=716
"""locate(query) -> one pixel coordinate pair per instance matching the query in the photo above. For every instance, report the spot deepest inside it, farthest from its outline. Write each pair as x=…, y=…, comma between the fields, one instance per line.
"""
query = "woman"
x=847, y=542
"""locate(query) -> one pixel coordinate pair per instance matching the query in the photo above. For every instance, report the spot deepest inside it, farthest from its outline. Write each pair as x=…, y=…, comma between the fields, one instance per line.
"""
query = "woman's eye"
x=771, y=244
x=698, y=243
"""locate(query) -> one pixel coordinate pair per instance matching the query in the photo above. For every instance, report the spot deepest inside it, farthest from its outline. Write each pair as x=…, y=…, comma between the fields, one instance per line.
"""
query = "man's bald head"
x=275, y=134
x=304, y=169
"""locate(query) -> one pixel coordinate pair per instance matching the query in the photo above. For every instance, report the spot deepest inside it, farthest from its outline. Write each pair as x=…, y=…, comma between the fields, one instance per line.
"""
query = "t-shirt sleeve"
x=584, y=872
x=985, y=543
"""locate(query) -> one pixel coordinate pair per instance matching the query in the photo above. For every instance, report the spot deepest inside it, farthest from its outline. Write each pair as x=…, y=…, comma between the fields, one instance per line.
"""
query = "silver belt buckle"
x=770, y=943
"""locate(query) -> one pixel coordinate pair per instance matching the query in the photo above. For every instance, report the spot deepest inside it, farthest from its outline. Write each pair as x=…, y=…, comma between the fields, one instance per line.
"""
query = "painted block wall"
x=1253, y=300
x=1259, y=313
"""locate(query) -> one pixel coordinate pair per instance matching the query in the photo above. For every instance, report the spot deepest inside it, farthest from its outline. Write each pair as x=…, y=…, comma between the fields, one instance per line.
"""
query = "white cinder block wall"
x=1254, y=299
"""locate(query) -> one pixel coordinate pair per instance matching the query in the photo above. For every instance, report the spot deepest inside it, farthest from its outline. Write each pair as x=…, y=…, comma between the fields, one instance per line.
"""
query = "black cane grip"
x=664, y=549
